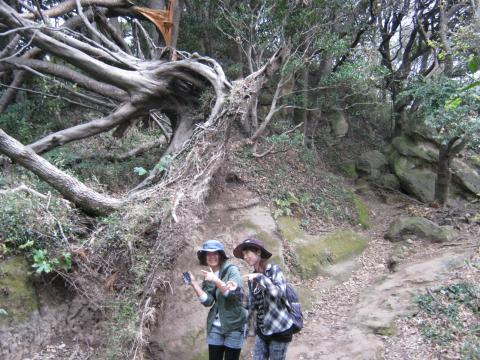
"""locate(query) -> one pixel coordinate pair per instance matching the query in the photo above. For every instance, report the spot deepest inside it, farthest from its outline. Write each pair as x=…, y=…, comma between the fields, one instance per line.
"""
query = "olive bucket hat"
x=210, y=246
x=251, y=242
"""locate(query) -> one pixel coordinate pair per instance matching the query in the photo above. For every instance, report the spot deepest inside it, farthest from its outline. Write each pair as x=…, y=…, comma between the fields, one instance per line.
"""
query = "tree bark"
x=446, y=154
x=87, y=199
x=123, y=113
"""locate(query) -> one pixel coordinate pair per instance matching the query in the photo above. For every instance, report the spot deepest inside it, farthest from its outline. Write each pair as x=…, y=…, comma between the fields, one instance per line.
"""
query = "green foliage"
x=28, y=226
x=286, y=140
x=38, y=114
x=473, y=63
x=448, y=107
x=164, y=163
x=450, y=318
x=90, y=160
x=25, y=221
x=140, y=171
x=121, y=328
x=285, y=205
x=43, y=263
x=362, y=212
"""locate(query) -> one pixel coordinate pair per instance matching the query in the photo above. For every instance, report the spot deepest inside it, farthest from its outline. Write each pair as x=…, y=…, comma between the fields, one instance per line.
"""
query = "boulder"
x=475, y=161
x=407, y=227
x=338, y=124
x=418, y=149
x=315, y=254
x=415, y=177
x=372, y=164
x=389, y=181
x=467, y=177
x=413, y=161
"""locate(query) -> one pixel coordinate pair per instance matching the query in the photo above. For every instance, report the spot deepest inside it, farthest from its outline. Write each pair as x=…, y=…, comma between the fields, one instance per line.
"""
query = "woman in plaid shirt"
x=267, y=286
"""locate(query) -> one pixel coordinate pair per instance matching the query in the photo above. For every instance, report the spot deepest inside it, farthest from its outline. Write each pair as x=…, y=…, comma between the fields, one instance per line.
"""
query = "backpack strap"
x=224, y=271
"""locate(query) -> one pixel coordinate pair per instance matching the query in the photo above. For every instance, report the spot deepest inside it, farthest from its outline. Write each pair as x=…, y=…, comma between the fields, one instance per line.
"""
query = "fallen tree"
x=129, y=87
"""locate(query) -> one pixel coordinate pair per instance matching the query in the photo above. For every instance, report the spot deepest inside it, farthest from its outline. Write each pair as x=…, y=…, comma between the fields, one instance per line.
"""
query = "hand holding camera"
x=187, y=278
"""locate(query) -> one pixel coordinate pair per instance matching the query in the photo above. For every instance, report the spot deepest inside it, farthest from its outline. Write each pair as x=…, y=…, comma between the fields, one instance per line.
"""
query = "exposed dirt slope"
x=356, y=313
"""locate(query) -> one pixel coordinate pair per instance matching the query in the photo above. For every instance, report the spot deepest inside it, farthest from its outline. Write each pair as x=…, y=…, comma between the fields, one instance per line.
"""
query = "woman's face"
x=251, y=257
x=213, y=259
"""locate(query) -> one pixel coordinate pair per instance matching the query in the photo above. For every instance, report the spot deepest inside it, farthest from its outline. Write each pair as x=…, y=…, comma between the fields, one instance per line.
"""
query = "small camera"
x=186, y=278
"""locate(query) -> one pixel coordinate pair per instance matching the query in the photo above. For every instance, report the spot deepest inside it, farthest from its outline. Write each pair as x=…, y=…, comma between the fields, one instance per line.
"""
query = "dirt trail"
x=356, y=318
x=355, y=310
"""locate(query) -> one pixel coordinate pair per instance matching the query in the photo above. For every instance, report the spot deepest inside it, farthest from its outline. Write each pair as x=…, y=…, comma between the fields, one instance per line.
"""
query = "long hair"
x=262, y=265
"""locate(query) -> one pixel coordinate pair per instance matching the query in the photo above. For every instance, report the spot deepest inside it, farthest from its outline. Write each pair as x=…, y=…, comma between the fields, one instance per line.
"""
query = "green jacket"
x=230, y=310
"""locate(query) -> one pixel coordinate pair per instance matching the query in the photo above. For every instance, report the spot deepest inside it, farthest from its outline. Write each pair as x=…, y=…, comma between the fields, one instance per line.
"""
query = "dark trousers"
x=217, y=352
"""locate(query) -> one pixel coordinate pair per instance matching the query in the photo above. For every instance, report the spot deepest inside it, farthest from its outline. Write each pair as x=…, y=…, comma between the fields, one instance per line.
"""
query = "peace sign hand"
x=210, y=275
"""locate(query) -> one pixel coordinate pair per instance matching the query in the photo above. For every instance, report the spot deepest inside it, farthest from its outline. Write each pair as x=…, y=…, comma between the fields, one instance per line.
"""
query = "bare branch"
x=123, y=113
x=67, y=6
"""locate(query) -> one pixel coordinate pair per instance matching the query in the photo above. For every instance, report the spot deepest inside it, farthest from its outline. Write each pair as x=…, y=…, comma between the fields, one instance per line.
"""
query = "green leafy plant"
x=140, y=171
x=42, y=263
x=66, y=262
x=285, y=205
x=164, y=163
x=449, y=318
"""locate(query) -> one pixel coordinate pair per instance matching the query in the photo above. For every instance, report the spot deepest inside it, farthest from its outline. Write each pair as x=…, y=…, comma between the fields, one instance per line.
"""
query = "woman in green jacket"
x=221, y=290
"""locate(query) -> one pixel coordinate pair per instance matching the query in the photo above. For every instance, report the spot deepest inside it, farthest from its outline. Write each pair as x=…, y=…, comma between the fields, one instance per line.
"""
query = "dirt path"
x=361, y=317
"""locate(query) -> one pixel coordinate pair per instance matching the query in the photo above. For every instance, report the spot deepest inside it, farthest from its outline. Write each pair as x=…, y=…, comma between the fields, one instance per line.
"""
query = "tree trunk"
x=72, y=189
x=442, y=183
x=446, y=154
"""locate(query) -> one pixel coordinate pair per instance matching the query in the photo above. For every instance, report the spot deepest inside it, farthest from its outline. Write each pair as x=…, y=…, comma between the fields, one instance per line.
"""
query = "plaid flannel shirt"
x=272, y=287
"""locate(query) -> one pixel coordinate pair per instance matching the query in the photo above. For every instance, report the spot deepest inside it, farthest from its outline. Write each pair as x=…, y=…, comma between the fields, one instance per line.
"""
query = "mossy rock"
x=17, y=295
x=389, y=181
x=338, y=123
x=415, y=177
x=289, y=227
x=422, y=150
x=466, y=176
x=475, y=160
x=193, y=341
x=362, y=186
x=372, y=164
x=362, y=212
x=317, y=253
x=349, y=169
x=420, y=227
x=201, y=356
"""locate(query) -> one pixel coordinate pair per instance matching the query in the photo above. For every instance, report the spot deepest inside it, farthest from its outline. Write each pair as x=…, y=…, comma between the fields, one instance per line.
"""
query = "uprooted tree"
x=188, y=95
x=127, y=87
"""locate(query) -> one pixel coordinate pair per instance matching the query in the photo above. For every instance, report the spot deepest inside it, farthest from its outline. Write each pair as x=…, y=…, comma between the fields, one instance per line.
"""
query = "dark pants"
x=217, y=352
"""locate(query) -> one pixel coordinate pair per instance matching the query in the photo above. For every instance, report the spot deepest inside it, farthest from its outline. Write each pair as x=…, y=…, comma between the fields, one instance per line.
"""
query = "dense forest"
x=122, y=122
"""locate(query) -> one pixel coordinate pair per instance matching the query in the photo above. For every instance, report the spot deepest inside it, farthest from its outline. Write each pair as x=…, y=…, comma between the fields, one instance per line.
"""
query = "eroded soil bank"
x=358, y=308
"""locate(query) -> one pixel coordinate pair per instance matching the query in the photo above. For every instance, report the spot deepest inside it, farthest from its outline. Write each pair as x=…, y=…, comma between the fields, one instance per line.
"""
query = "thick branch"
x=123, y=113
x=67, y=48
x=67, y=6
x=72, y=189
x=67, y=73
x=9, y=95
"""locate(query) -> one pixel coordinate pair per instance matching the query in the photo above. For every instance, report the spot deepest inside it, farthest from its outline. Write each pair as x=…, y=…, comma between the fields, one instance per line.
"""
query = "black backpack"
x=294, y=308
